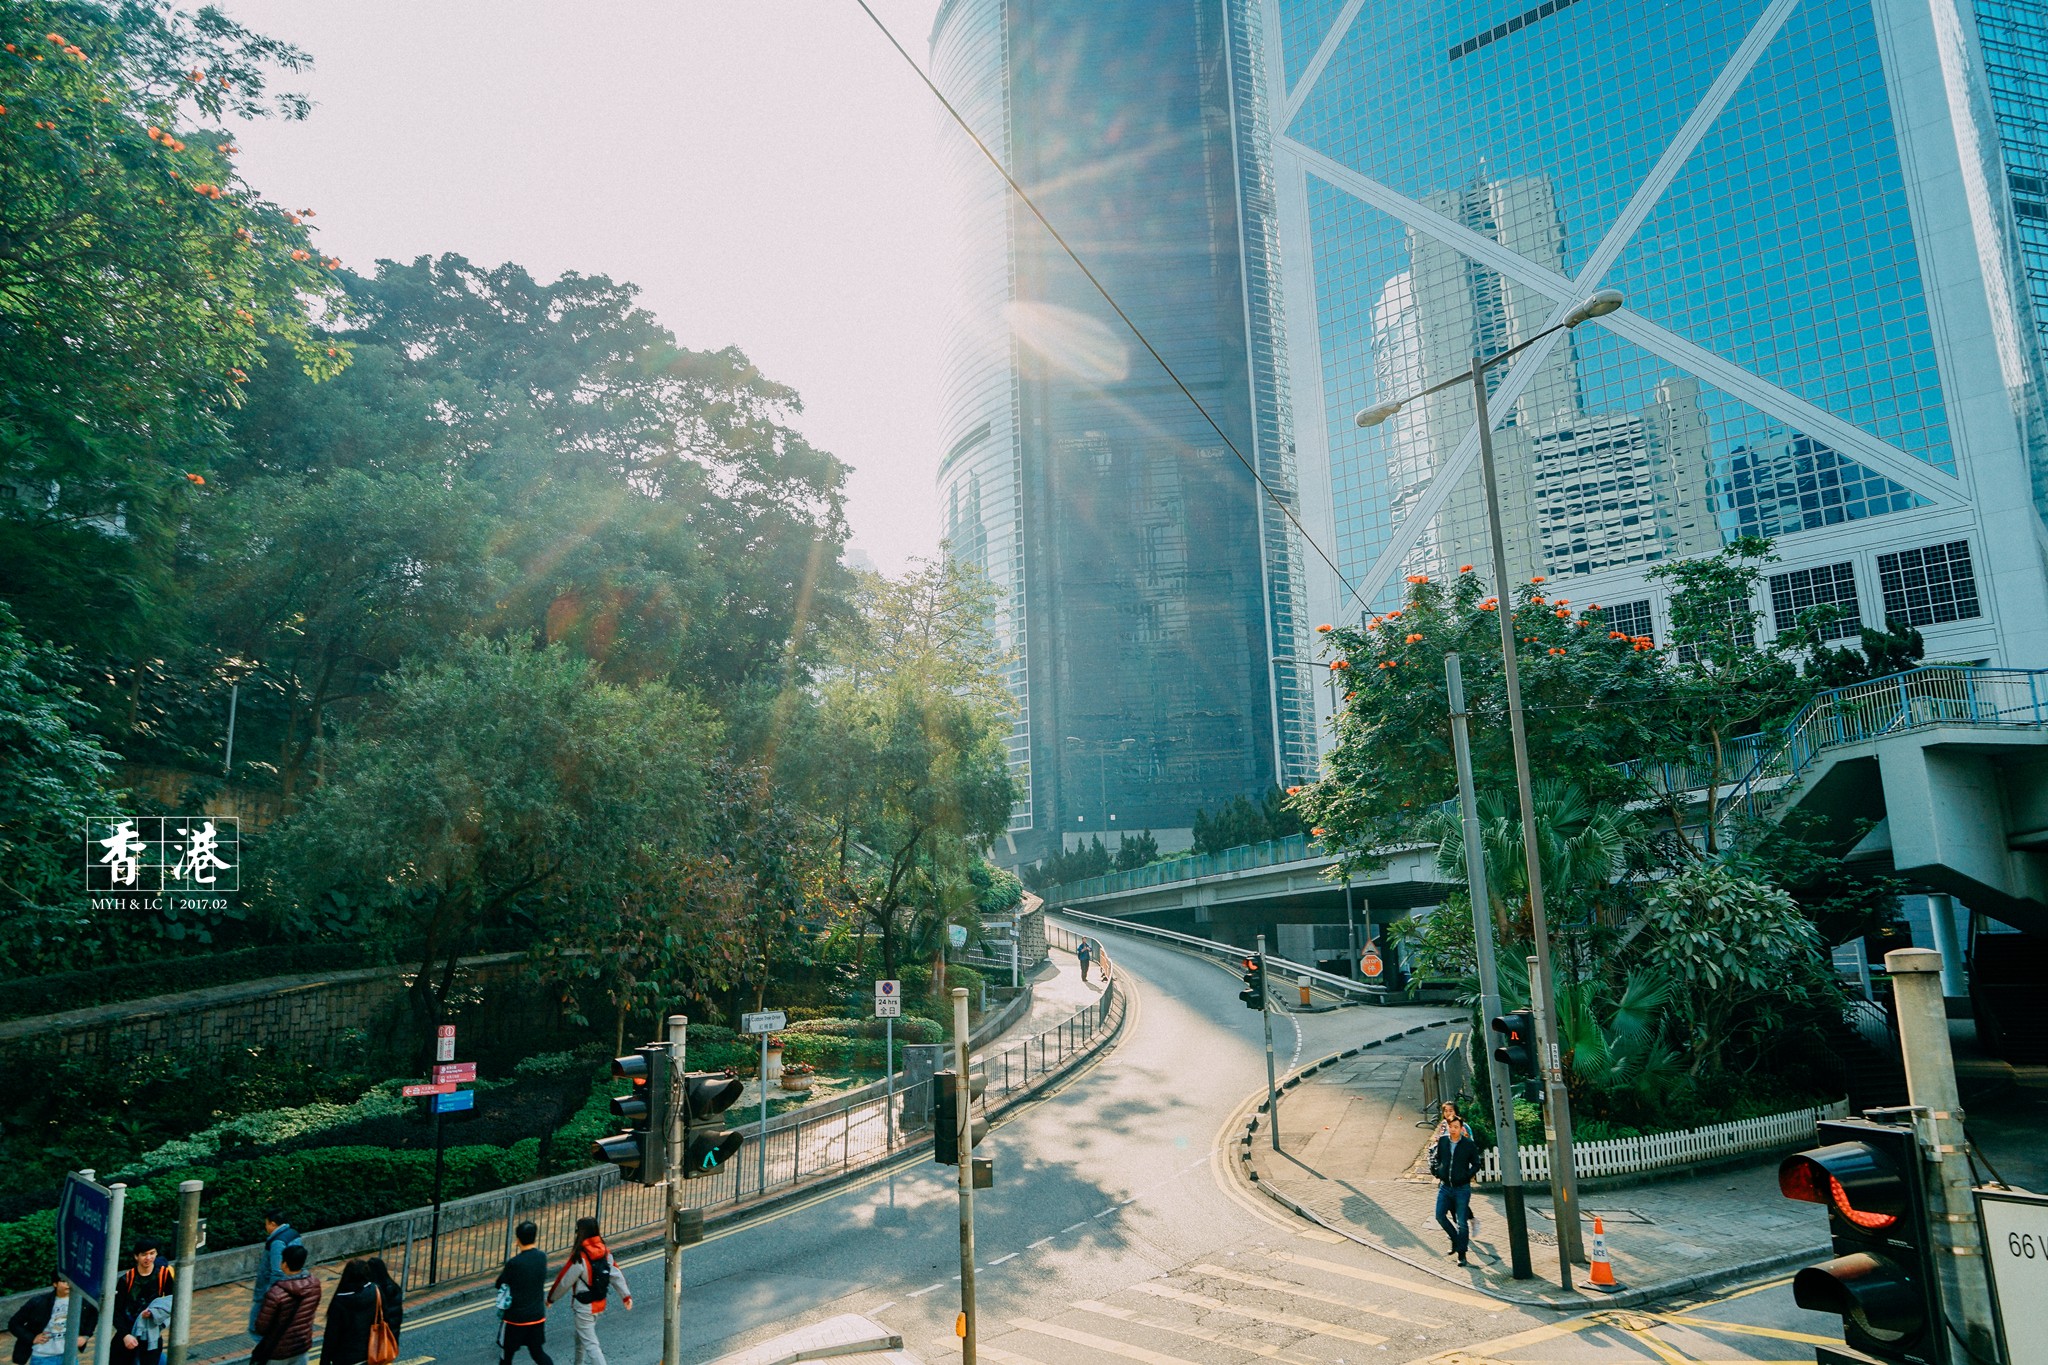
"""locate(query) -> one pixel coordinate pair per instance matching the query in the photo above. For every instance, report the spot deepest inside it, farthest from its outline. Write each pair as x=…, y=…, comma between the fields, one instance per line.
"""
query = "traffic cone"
x=1603, y=1269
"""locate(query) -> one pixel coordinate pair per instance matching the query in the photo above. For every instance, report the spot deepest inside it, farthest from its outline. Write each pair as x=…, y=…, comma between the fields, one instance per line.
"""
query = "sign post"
x=88, y=1256
x=446, y=1099
x=888, y=1009
x=2016, y=1253
x=763, y=1023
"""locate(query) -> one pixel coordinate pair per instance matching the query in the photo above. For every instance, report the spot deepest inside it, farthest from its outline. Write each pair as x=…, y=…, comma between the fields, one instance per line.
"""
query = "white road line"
x=1039, y=1243
x=1106, y=1345
x=930, y=1288
x=1106, y=1212
x=883, y=1307
x=1071, y=1226
x=1427, y=1290
x=1197, y=1333
x=1297, y=1291
x=1294, y=1320
x=1000, y=1259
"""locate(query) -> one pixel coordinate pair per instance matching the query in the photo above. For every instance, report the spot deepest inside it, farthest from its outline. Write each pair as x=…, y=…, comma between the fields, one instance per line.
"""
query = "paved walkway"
x=1352, y=1156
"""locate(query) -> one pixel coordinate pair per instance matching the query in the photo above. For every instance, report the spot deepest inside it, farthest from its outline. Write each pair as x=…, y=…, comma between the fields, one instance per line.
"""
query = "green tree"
x=1136, y=850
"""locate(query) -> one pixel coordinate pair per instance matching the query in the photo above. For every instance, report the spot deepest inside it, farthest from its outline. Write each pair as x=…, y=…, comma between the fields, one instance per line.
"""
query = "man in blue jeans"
x=1454, y=1160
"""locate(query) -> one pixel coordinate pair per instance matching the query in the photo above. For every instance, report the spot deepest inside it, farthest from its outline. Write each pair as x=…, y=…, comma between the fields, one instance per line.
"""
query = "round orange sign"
x=1371, y=964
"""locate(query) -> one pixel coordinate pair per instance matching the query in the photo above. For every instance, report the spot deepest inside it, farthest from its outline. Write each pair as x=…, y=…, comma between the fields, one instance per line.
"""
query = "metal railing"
x=1227, y=952
x=804, y=1146
x=1295, y=848
x=1447, y=1075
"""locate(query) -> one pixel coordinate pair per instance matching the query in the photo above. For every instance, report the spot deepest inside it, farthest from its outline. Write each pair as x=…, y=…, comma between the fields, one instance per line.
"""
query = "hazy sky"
x=762, y=169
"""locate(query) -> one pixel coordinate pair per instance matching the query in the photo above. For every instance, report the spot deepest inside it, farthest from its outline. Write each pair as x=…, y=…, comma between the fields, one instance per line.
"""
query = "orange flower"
x=1489, y=605
x=1617, y=635
x=331, y=351
x=1415, y=638
x=1324, y=630
x=302, y=255
x=1464, y=568
x=1319, y=831
x=1340, y=663
x=1393, y=616
x=57, y=38
x=1349, y=695
x=1292, y=790
x=1561, y=614
x=292, y=218
x=1418, y=578
x=1537, y=598
x=194, y=478
x=1537, y=579
x=197, y=74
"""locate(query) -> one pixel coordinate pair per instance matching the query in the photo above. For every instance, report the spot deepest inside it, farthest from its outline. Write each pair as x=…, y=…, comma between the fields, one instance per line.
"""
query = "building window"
x=1929, y=585
x=1630, y=618
x=1828, y=585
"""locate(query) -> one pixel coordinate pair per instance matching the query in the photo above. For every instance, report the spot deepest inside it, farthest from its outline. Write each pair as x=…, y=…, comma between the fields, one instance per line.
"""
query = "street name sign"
x=767, y=1021
x=2016, y=1252
x=444, y=1043
x=441, y=1088
x=454, y=1100
x=888, y=1000
x=455, y=1071
x=83, y=1213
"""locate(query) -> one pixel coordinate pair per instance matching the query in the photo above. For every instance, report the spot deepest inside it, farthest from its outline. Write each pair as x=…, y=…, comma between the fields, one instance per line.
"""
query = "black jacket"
x=131, y=1298
x=32, y=1317
x=1454, y=1163
x=527, y=1276
x=346, y=1340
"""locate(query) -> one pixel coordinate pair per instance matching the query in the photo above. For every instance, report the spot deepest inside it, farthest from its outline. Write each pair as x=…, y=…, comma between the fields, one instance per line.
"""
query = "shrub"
x=270, y=1126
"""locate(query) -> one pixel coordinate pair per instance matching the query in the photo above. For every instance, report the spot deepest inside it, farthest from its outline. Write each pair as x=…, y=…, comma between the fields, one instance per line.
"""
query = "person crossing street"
x=1454, y=1160
x=587, y=1278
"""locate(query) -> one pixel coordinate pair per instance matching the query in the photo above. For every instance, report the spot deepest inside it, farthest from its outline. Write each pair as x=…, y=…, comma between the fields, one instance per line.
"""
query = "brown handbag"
x=383, y=1341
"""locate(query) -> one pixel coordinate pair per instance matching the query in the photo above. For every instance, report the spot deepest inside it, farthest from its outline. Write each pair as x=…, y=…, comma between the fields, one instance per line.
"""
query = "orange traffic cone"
x=1603, y=1269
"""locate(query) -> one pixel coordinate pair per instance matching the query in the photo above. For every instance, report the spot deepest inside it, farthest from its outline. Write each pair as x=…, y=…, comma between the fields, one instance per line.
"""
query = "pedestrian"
x=277, y=1235
x=1453, y=1161
x=588, y=1278
x=346, y=1338
x=288, y=1313
x=390, y=1297
x=1084, y=952
x=39, y=1325
x=522, y=1300
x=146, y=1280
x=1447, y=1111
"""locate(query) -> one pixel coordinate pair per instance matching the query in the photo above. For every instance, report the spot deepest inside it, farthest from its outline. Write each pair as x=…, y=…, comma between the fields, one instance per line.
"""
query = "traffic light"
x=1518, y=1050
x=706, y=1144
x=1882, y=1279
x=946, y=1115
x=641, y=1152
x=1254, y=992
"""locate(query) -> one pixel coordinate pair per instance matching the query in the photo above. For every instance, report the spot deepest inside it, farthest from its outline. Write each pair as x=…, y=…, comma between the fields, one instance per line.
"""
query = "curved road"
x=1114, y=1232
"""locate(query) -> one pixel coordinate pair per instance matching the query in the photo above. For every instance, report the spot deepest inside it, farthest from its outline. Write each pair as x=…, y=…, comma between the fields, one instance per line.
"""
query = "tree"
x=1243, y=822
x=906, y=754
x=1135, y=851
x=138, y=277
x=500, y=786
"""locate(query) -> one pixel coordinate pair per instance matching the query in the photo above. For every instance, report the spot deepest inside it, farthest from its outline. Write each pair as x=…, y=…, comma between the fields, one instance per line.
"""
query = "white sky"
x=762, y=169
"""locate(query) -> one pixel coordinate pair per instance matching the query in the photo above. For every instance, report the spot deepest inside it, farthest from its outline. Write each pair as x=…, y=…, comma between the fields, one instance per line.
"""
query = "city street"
x=1114, y=1232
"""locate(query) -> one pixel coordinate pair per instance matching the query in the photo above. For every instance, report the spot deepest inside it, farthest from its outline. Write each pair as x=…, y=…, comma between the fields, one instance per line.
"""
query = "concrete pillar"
x=1941, y=911
x=1931, y=1089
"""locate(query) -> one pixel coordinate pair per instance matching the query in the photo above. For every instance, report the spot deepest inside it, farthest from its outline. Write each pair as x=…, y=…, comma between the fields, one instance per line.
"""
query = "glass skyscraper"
x=1829, y=221
x=1152, y=590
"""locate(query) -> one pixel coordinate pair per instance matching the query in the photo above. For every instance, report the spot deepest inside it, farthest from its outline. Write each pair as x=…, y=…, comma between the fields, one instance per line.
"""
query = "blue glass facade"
x=1154, y=591
x=1781, y=192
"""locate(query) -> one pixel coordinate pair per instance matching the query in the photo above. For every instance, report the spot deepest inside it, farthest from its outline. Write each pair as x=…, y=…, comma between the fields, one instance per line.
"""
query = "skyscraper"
x=1152, y=609
x=1827, y=218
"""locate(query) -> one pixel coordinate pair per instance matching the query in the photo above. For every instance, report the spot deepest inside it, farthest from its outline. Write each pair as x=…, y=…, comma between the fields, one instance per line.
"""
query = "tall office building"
x=1151, y=609
x=1829, y=221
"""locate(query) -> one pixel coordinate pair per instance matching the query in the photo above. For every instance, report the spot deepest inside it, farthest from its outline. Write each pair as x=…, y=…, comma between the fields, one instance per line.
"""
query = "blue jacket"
x=270, y=1268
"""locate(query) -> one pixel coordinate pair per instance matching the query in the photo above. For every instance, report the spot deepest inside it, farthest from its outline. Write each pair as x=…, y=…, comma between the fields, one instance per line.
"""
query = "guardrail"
x=1446, y=1075
x=1660, y=1151
x=1231, y=953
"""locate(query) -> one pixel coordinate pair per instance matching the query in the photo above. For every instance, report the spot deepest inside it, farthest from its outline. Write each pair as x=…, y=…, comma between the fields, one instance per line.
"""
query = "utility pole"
x=964, y=1116
x=1266, y=1018
x=188, y=1255
x=1965, y=1286
x=671, y=1242
x=1557, y=1112
x=1351, y=923
x=1505, y=1141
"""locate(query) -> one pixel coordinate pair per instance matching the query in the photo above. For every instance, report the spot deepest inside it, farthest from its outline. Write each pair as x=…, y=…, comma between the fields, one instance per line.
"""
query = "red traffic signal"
x=1518, y=1048
x=1853, y=1180
x=1254, y=993
x=641, y=1152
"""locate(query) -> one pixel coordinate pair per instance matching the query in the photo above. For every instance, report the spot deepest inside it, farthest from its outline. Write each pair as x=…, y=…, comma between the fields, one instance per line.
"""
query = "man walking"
x=522, y=1300
x=140, y=1285
x=277, y=1235
x=588, y=1279
x=286, y=1317
x=1454, y=1160
x=1084, y=953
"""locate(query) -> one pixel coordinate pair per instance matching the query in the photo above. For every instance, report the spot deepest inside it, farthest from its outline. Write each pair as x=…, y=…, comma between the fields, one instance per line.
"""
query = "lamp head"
x=1379, y=412
x=1598, y=306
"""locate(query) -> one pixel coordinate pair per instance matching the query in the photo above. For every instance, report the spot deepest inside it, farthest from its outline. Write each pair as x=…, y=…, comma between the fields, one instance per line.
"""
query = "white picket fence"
x=1658, y=1151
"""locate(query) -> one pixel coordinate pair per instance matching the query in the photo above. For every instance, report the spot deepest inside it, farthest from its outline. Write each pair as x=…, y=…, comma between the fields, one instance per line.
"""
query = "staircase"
x=1872, y=1072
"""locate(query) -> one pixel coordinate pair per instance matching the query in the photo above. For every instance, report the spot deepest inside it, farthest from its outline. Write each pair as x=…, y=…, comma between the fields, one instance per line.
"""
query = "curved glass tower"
x=1152, y=587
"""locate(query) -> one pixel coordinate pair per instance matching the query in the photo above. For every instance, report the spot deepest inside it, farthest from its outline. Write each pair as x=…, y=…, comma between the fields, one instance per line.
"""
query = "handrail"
x=1335, y=985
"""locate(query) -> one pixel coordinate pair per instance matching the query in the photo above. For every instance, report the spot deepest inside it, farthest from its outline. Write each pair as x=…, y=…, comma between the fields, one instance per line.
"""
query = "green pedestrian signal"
x=706, y=1143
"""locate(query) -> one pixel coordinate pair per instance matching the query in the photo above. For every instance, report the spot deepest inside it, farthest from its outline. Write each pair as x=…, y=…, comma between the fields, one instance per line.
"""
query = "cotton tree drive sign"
x=767, y=1021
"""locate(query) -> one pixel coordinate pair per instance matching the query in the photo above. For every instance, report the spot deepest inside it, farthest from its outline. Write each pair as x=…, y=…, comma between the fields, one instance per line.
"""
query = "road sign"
x=1371, y=964
x=455, y=1071
x=444, y=1088
x=2016, y=1249
x=956, y=934
x=83, y=1213
x=454, y=1101
x=767, y=1021
x=888, y=1000
x=444, y=1043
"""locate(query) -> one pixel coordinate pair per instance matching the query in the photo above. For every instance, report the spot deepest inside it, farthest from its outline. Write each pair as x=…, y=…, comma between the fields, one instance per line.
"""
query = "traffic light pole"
x=964, y=1117
x=1505, y=1141
x=1931, y=1087
x=1266, y=1018
x=671, y=1244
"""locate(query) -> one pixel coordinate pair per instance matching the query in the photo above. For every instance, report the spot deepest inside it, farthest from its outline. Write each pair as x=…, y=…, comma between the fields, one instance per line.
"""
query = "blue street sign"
x=83, y=1213
x=449, y=1103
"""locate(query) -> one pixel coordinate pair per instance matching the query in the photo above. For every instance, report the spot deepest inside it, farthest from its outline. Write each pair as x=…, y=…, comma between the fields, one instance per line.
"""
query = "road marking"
x=1196, y=1333
x=1427, y=1290
x=1744, y=1329
x=918, y=1294
x=1663, y=1350
x=1107, y=1345
x=1299, y=1323
x=1106, y=1212
x=1297, y=1291
x=1071, y=1226
x=1039, y=1243
x=878, y=1308
x=1000, y=1259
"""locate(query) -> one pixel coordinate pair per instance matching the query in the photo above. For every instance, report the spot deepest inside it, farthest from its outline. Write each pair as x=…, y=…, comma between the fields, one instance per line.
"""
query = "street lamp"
x=1101, y=750
x=1563, y=1179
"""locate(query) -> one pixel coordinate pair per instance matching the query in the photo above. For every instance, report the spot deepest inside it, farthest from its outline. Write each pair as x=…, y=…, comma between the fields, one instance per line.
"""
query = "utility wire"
x=1116, y=307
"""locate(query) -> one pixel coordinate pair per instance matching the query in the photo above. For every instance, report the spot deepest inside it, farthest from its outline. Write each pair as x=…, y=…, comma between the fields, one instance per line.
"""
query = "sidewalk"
x=220, y=1314
x=1353, y=1158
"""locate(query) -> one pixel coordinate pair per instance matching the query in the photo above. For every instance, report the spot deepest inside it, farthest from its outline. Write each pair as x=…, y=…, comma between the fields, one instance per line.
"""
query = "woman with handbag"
x=351, y=1313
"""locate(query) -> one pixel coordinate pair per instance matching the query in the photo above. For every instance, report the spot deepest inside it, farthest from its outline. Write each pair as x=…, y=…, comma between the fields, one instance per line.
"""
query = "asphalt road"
x=1115, y=1232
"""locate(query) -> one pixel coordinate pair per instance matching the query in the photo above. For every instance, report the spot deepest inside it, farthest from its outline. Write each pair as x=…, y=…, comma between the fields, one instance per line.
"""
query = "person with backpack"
x=277, y=1235
x=141, y=1284
x=1454, y=1160
x=588, y=1278
x=286, y=1317
x=522, y=1300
